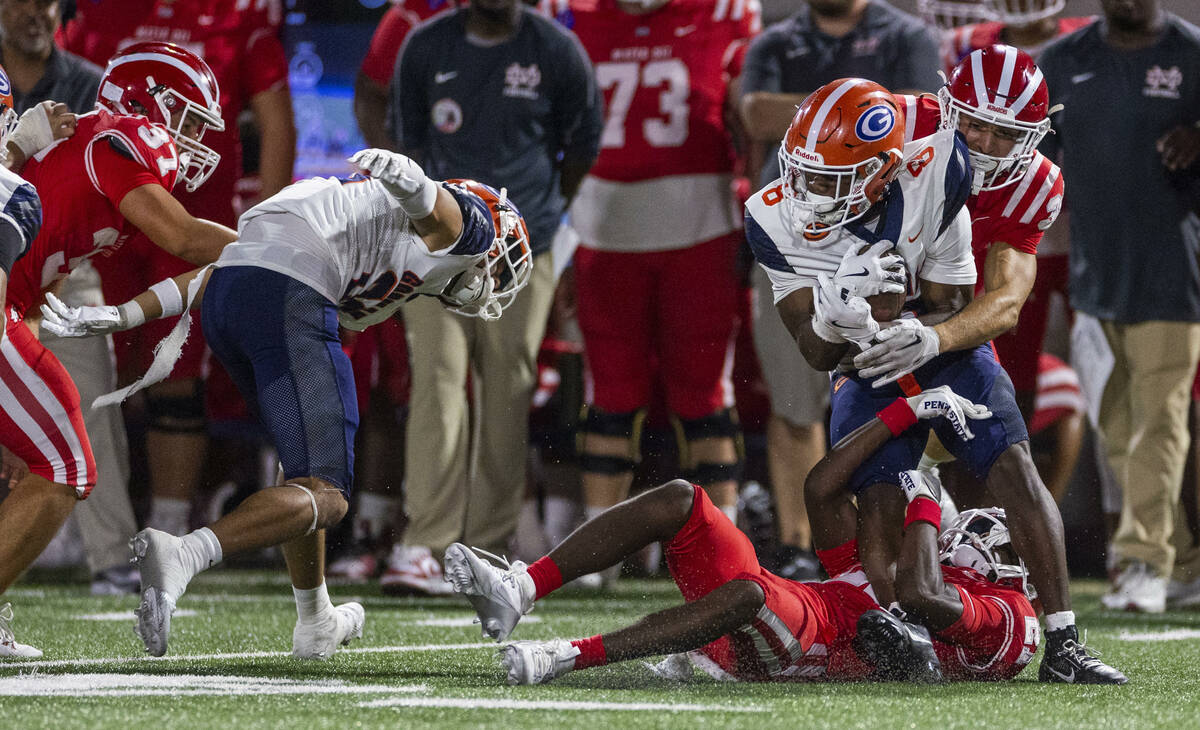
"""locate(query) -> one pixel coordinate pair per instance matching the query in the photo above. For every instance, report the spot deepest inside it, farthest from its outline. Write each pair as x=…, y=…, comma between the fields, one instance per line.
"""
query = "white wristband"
x=168, y=297
x=131, y=315
x=420, y=204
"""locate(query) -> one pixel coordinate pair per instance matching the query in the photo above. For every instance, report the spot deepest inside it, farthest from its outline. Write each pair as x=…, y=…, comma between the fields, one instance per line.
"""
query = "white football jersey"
x=348, y=239
x=924, y=215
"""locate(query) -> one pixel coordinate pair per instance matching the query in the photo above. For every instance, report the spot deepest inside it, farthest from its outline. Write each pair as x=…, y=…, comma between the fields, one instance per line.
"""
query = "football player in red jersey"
x=1016, y=196
x=1026, y=24
x=239, y=40
x=743, y=621
x=654, y=274
x=112, y=178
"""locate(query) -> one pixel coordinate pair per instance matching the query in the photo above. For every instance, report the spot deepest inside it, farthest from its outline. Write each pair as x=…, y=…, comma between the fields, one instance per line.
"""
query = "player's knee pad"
x=176, y=413
x=626, y=425
x=312, y=499
x=719, y=424
x=707, y=472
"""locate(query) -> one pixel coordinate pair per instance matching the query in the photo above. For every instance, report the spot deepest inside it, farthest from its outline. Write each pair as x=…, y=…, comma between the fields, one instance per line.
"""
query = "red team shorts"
x=794, y=634
x=677, y=308
x=40, y=418
x=1020, y=347
x=379, y=358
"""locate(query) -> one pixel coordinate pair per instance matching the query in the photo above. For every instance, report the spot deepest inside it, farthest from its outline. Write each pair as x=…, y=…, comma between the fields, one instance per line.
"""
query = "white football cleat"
x=1137, y=588
x=320, y=638
x=10, y=648
x=537, y=662
x=164, y=579
x=499, y=595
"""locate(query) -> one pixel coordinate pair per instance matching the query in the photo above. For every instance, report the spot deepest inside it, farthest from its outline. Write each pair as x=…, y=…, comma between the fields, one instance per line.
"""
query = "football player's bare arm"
x=277, y=132
x=942, y=301
x=1008, y=276
x=796, y=311
x=165, y=222
x=833, y=515
x=766, y=115
x=370, y=109
x=919, y=586
x=441, y=228
x=167, y=298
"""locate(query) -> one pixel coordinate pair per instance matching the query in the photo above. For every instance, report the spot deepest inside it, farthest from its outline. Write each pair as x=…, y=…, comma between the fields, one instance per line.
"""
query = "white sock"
x=1060, y=620
x=731, y=513
x=376, y=513
x=170, y=515
x=312, y=603
x=201, y=550
x=590, y=513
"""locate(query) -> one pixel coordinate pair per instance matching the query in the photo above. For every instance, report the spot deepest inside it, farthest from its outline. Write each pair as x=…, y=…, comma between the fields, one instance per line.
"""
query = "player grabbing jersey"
x=740, y=620
x=1016, y=195
x=319, y=253
x=847, y=195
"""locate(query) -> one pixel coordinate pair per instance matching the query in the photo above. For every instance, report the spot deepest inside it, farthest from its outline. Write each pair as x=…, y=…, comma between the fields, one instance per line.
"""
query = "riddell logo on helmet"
x=814, y=157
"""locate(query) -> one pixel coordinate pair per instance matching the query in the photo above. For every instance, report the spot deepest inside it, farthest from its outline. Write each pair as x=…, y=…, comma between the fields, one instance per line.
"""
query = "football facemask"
x=978, y=539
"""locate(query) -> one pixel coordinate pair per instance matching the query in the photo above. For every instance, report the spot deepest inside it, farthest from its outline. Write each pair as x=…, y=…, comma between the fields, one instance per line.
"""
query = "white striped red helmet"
x=173, y=87
x=1000, y=86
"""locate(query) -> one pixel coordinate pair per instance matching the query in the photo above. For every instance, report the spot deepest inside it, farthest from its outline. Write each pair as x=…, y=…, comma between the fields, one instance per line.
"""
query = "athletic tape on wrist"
x=168, y=297
x=131, y=315
x=421, y=203
x=898, y=416
x=923, y=509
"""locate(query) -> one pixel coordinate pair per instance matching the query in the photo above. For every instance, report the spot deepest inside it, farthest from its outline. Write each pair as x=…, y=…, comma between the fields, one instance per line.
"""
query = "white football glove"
x=919, y=483
x=839, y=316
x=402, y=177
x=62, y=320
x=870, y=272
x=941, y=401
x=897, y=351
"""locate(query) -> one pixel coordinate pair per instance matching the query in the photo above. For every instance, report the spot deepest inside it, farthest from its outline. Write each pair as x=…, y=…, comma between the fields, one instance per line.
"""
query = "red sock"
x=591, y=652
x=546, y=577
x=841, y=559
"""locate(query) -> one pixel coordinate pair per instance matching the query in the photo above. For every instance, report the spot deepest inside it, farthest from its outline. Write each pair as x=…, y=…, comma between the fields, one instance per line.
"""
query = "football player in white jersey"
x=319, y=253
x=853, y=209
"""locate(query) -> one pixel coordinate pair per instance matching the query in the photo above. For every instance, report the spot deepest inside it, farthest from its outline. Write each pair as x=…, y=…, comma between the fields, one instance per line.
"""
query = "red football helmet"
x=950, y=14
x=1002, y=87
x=1024, y=12
x=979, y=539
x=173, y=87
x=8, y=115
x=840, y=152
x=506, y=268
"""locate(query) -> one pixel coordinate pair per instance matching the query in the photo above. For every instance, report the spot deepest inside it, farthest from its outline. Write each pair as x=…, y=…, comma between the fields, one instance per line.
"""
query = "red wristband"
x=923, y=509
x=898, y=416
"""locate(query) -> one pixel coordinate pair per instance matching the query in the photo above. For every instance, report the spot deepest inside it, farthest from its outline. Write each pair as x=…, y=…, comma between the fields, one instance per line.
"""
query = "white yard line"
x=47, y=663
x=1169, y=635
x=497, y=703
x=126, y=615
x=131, y=685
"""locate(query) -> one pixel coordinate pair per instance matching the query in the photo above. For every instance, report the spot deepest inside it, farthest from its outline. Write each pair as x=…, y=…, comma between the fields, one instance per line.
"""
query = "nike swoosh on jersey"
x=912, y=239
x=1079, y=79
x=681, y=32
x=442, y=77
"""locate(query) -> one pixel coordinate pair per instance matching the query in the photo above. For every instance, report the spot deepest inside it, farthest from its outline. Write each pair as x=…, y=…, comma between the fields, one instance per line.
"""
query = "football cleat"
x=499, y=596
x=537, y=662
x=10, y=648
x=1183, y=594
x=320, y=637
x=164, y=579
x=900, y=651
x=1137, y=588
x=355, y=568
x=412, y=570
x=1067, y=661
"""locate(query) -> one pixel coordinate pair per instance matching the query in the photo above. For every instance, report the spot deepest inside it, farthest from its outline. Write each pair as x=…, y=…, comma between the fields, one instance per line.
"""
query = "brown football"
x=886, y=307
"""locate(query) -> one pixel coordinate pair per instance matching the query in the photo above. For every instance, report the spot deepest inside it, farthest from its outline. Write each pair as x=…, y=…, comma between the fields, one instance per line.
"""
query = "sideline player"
x=746, y=622
x=847, y=184
x=321, y=251
x=112, y=178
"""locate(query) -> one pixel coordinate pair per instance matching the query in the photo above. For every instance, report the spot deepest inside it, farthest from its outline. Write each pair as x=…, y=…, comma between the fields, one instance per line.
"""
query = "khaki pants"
x=459, y=485
x=1143, y=421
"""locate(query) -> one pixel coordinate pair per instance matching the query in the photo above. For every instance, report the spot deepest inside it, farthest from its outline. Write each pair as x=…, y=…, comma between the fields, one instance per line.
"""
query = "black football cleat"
x=900, y=651
x=1067, y=661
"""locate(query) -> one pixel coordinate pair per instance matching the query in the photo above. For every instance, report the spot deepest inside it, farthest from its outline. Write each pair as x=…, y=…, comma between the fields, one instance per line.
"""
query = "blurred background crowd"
x=647, y=346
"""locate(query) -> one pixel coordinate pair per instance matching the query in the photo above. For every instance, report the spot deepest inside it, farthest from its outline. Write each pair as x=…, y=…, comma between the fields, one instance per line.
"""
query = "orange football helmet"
x=8, y=115
x=840, y=152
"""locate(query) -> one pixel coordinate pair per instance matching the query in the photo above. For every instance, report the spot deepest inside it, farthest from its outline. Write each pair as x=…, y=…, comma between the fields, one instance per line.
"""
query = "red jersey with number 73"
x=662, y=180
x=81, y=181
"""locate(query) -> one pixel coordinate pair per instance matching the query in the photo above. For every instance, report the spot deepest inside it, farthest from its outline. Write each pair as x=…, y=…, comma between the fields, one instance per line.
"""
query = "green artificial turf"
x=247, y=617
